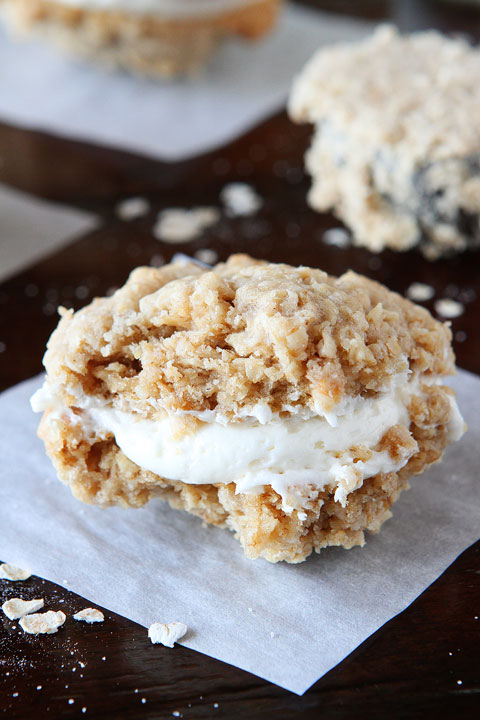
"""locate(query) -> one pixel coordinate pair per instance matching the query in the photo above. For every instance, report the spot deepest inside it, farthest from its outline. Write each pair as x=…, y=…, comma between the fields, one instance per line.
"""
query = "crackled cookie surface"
x=396, y=149
x=150, y=37
x=283, y=403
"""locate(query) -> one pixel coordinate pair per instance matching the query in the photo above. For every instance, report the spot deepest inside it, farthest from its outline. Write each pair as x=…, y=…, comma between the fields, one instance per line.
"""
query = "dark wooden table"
x=410, y=667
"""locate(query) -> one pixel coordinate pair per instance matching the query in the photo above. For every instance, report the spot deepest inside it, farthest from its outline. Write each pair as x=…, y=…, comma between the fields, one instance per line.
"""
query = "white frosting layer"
x=296, y=457
x=164, y=8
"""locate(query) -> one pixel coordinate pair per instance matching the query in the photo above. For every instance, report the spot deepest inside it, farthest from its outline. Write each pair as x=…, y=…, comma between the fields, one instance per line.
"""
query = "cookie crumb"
x=448, y=308
x=10, y=572
x=338, y=237
x=420, y=292
x=177, y=225
x=89, y=615
x=43, y=623
x=166, y=633
x=240, y=199
x=132, y=208
x=207, y=256
x=16, y=608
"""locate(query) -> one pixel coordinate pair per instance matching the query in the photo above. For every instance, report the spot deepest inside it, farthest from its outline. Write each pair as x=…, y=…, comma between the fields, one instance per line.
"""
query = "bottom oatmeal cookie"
x=282, y=403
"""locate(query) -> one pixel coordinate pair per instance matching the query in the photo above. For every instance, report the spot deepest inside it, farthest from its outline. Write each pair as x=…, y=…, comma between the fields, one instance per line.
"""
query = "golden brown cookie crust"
x=145, y=43
x=243, y=334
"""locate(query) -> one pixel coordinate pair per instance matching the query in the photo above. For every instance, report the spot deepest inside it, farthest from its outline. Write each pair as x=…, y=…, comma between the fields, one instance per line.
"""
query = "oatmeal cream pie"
x=396, y=148
x=152, y=37
x=282, y=403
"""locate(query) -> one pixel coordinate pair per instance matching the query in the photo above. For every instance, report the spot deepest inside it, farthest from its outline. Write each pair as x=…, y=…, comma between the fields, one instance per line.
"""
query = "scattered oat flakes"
x=89, y=615
x=176, y=225
x=10, y=572
x=207, y=256
x=43, y=623
x=420, y=292
x=448, y=308
x=240, y=199
x=16, y=608
x=132, y=208
x=166, y=633
x=338, y=237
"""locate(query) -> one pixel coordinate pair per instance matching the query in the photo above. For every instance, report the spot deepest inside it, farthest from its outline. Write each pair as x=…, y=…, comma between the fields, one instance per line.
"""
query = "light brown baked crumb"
x=246, y=333
x=140, y=43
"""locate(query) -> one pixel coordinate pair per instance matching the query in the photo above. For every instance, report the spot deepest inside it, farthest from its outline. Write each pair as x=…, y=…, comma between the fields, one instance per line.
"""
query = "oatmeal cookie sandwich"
x=151, y=37
x=282, y=403
x=396, y=148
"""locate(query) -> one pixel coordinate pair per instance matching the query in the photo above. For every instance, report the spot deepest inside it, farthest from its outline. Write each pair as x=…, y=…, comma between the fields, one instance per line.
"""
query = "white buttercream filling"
x=297, y=457
x=164, y=8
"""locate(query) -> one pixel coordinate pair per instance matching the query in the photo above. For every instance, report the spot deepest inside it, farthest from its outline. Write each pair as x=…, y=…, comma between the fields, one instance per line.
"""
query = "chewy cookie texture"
x=285, y=404
x=161, y=38
x=396, y=149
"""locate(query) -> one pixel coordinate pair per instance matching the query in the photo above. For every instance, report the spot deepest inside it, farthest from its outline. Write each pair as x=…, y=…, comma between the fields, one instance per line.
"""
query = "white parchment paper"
x=31, y=228
x=40, y=88
x=160, y=564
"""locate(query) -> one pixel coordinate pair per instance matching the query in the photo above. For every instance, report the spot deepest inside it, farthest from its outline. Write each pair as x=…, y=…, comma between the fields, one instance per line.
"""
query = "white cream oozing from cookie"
x=165, y=8
x=297, y=457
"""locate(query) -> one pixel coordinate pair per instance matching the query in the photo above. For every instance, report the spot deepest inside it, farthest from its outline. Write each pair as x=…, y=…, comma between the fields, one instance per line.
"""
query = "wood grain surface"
x=424, y=663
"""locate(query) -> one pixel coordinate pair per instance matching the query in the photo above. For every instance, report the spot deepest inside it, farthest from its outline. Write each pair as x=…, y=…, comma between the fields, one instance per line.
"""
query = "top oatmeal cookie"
x=396, y=151
x=243, y=335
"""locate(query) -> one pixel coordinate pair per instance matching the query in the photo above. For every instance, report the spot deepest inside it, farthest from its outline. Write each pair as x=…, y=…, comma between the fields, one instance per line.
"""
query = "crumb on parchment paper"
x=166, y=633
x=13, y=573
